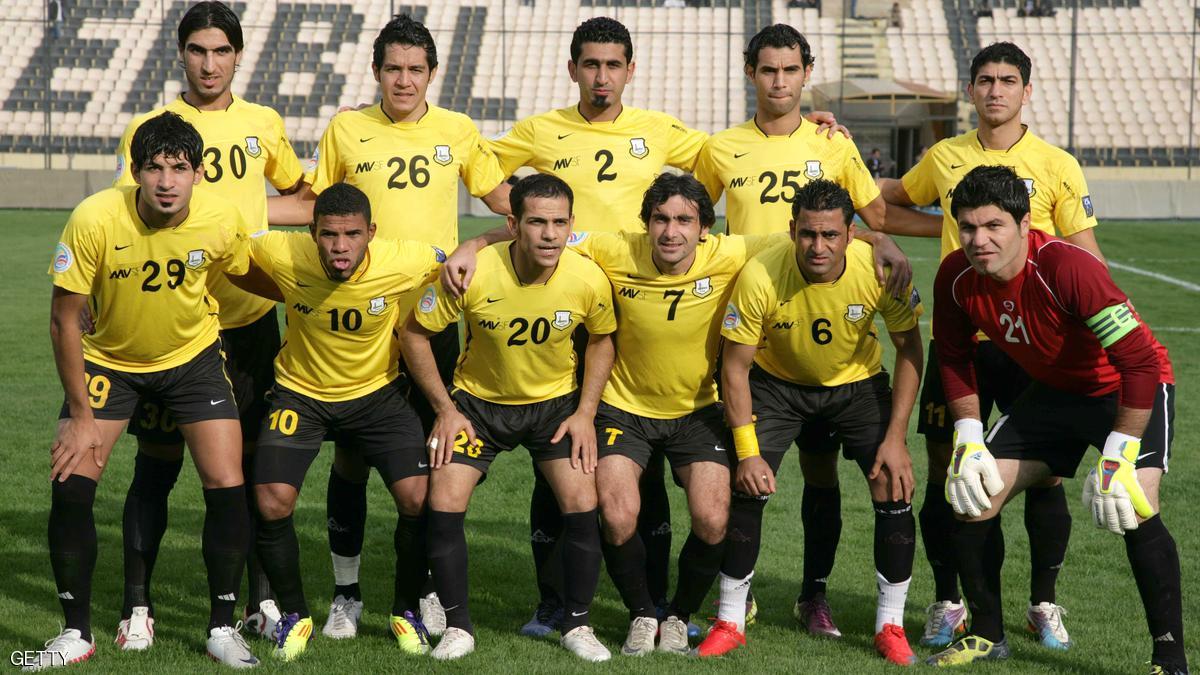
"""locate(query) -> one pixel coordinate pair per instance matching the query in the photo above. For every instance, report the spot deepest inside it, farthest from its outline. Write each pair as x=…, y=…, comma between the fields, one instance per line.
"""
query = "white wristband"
x=1115, y=441
x=968, y=430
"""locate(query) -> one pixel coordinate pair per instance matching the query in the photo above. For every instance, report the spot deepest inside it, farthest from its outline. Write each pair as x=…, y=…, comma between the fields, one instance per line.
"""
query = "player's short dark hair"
x=603, y=30
x=166, y=134
x=668, y=185
x=541, y=185
x=823, y=195
x=341, y=199
x=404, y=30
x=1003, y=52
x=995, y=186
x=778, y=36
x=211, y=15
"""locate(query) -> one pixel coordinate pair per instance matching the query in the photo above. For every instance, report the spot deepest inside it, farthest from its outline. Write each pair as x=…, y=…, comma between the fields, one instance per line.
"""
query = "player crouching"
x=515, y=385
x=1099, y=378
x=800, y=349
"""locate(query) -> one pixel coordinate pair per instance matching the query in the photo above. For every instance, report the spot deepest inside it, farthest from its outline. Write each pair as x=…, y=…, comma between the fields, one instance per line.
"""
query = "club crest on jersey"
x=812, y=169
x=562, y=319
x=1029, y=186
x=441, y=154
x=703, y=287
x=120, y=166
x=855, y=312
x=252, y=147
x=377, y=306
x=732, y=319
x=575, y=238
x=914, y=299
x=428, y=300
x=63, y=258
x=637, y=147
x=195, y=258
x=1087, y=206
x=1009, y=305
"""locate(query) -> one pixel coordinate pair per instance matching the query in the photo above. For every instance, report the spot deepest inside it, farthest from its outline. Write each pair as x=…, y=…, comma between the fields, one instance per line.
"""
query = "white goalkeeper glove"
x=972, y=474
x=1112, y=490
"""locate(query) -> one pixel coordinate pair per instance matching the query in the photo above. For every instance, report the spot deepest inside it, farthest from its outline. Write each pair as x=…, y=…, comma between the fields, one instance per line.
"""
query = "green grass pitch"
x=1105, y=620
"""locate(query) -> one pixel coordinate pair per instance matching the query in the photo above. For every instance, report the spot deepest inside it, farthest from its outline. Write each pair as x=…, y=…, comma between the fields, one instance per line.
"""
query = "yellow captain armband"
x=745, y=441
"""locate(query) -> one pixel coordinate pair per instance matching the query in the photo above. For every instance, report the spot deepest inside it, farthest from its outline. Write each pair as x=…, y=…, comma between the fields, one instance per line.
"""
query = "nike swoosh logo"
x=562, y=136
x=491, y=300
x=739, y=155
x=957, y=166
x=301, y=284
x=364, y=140
x=212, y=402
x=422, y=465
x=122, y=248
x=578, y=613
x=1144, y=455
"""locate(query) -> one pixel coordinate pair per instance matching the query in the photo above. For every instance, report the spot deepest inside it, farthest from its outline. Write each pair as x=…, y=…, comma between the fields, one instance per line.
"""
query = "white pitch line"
x=1155, y=275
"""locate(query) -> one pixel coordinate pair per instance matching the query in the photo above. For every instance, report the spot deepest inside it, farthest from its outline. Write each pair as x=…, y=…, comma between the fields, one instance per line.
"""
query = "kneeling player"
x=810, y=304
x=131, y=253
x=1099, y=378
x=515, y=385
x=337, y=376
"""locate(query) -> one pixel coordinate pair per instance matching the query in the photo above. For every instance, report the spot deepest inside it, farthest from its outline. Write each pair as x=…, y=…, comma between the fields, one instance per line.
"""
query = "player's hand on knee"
x=76, y=440
x=893, y=460
x=458, y=270
x=445, y=436
x=755, y=477
x=581, y=428
x=972, y=475
x=1112, y=491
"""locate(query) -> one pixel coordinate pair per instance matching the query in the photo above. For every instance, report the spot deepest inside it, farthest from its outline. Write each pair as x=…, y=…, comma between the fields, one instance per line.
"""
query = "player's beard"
x=601, y=102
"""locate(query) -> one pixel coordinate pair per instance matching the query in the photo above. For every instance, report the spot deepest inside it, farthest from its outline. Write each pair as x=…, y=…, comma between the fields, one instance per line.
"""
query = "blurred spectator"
x=875, y=163
x=54, y=12
x=1028, y=9
x=984, y=10
x=894, y=18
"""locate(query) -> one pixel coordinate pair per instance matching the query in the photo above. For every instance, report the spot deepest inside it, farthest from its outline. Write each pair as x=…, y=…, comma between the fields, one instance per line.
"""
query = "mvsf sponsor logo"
x=489, y=324
x=302, y=308
x=565, y=163
x=629, y=292
x=739, y=181
x=784, y=325
x=367, y=167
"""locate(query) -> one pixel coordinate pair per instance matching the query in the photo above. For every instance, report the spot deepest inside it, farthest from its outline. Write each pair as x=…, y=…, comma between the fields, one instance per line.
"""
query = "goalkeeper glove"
x=1112, y=490
x=972, y=474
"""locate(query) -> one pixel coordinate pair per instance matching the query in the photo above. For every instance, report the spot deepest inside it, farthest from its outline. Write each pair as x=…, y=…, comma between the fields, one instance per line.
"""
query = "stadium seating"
x=1134, y=96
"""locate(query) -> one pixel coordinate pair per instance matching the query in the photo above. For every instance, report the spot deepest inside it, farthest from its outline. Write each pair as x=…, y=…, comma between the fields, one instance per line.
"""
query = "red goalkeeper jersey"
x=1063, y=319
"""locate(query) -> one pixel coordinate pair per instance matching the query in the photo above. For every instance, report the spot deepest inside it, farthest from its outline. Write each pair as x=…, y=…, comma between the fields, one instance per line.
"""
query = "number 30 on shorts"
x=284, y=421
x=469, y=449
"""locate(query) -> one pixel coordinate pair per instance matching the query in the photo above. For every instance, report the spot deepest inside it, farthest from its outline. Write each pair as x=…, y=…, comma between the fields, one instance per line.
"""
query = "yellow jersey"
x=1059, y=202
x=244, y=145
x=608, y=165
x=340, y=342
x=815, y=334
x=667, y=325
x=518, y=347
x=409, y=170
x=761, y=174
x=148, y=287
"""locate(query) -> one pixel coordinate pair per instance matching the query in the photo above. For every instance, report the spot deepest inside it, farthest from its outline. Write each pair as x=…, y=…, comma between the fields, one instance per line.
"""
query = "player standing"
x=515, y=385
x=800, y=348
x=408, y=156
x=128, y=253
x=245, y=144
x=1099, y=378
x=1059, y=201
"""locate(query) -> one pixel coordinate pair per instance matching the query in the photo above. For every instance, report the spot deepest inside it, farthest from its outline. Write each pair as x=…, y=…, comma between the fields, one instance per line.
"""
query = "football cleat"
x=292, y=635
x=62, y=650
x=751, y=607
x=662, y=609
x=262, y=623
x=137, y=632
x=455, y=644
x=1159, y=669
x=432, y=614
x=227, y=647
x=1045, y=622
x=546, y=619
x=816, y=617
x=944, y=623
x=410, y=633
x=722, y=638
x=640, y=640
x=968, y=649
x=892, y=644
x=672, y=636
x=581, y=641
x=343, y=618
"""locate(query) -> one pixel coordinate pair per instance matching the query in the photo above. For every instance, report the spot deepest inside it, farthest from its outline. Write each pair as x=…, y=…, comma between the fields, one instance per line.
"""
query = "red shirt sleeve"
x=953, y=331
x=1083, y=287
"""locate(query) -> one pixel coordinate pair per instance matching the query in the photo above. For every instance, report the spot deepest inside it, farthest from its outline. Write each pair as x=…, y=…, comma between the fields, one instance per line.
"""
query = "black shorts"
x=1000, y=381
x=857, y=412
x=193, y=392
x=445, y=354
x=500, y=428
x=1056, y=427
x=381, y=426
x=250, y=364
x=699, y=436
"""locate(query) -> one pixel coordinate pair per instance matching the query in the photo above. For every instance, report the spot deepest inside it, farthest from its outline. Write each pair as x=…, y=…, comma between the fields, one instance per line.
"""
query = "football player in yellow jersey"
x=128, y=253
x=244, y=144
x=337, y=377
x=1060, y=204
x=800, y=347
x=408, y=155
x=515, y=385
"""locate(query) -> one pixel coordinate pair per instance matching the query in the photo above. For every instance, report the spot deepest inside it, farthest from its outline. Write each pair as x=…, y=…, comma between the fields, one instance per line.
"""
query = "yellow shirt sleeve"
x=757, y=243
x=857, y=179
x=1073, y=212
x=124, y=175
x=283, y=167
x=921, y=181
x=77, y=255
x=514, y=149
x=481, y=173
x=437, y=309
x=329, y=169
x=901, y=315
x=267, y=249
x=235, y=259
x=705, y=171
x=685, y=145
x=752, y=298
x=600, y=318
x=602, y=247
